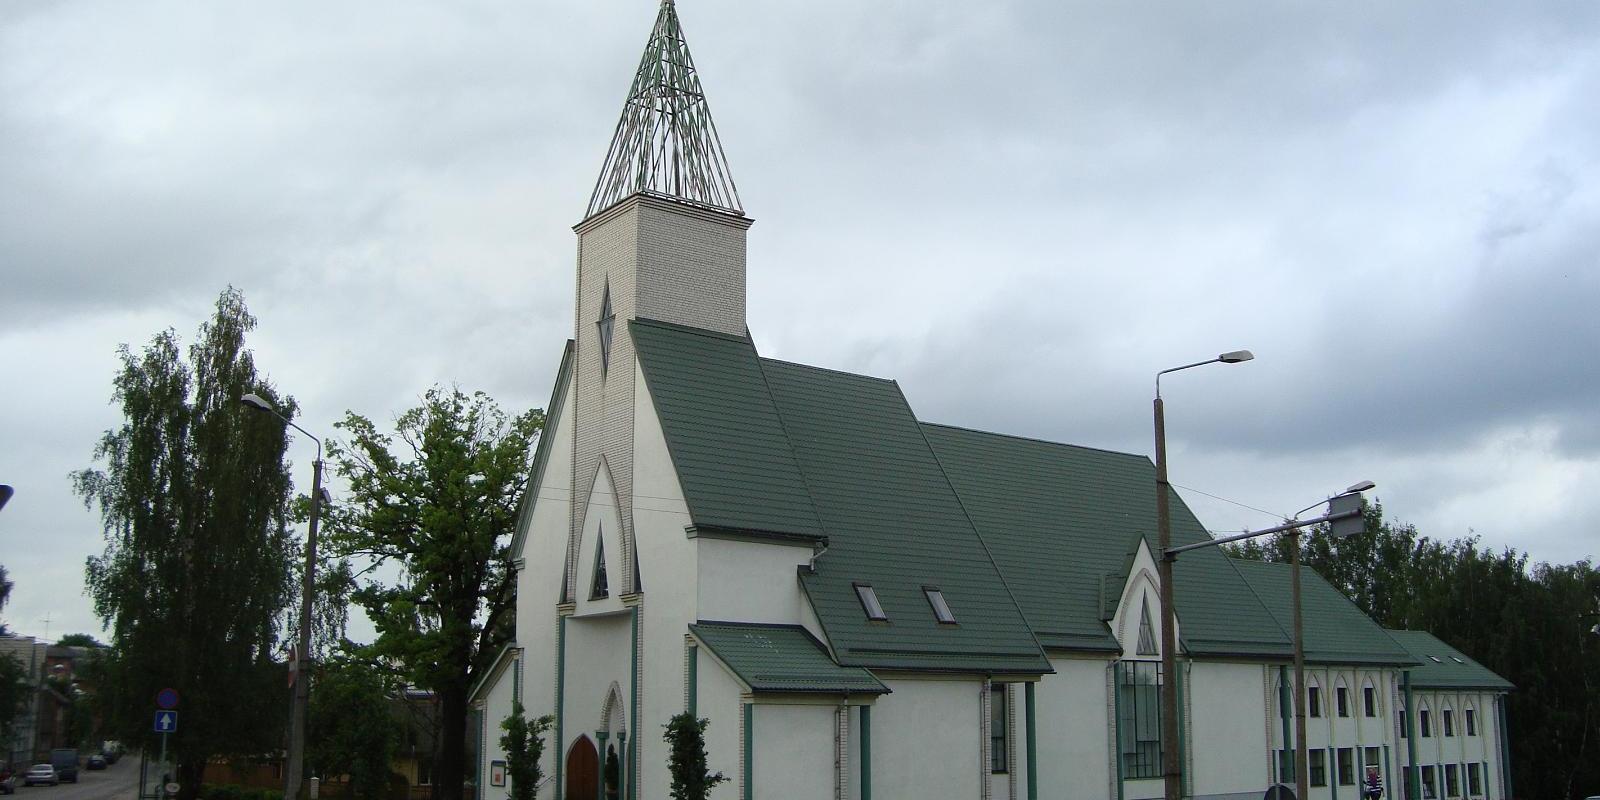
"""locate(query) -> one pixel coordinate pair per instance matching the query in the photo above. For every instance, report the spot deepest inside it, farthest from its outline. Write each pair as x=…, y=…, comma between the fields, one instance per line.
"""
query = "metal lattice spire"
x=666, y=143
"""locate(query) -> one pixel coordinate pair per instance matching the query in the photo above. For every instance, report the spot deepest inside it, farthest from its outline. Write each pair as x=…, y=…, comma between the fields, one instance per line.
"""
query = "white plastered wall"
x=1072, y=706
x=1227, y=742
x=927, y=739
x=794, y=752
x=750, y=581
x=497, y=707
x=719, y=699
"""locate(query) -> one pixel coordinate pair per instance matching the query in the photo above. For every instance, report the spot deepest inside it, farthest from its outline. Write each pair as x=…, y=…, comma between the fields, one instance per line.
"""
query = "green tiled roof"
x=1062, y=521
x=729, y=447
x=777, y=448
x=1336, y=631
x=781, y=658
x=1443, y=666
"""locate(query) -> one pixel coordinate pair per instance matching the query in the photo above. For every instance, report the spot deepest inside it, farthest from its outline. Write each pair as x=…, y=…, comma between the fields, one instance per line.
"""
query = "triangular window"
x=1147, y=638
x=599, y=589
x=606, y=323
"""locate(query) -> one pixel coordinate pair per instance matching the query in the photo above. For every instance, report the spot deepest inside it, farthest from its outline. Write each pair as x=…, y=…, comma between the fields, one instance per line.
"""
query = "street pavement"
x=119, y=781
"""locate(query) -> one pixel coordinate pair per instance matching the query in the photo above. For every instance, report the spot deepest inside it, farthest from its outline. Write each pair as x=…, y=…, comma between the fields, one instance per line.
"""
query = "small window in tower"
x=599, y=589
x=941, y=609
x=869, y=602
x=1147, y=637
x=606, y=322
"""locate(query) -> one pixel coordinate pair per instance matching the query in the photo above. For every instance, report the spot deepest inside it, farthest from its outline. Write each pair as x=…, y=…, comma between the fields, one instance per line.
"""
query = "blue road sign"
x=167, y=698
x=166, y=722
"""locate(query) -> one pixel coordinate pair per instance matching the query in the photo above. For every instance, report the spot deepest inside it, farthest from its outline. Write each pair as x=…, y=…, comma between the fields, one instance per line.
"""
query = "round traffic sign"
x=167, y=698
x=172, y=788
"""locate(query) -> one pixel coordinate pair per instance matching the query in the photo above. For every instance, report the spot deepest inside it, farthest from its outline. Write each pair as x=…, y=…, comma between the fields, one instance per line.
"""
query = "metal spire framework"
x=666, y=143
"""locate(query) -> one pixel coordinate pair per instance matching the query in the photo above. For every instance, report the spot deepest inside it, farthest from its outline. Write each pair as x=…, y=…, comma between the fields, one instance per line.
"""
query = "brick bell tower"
x=663, y=239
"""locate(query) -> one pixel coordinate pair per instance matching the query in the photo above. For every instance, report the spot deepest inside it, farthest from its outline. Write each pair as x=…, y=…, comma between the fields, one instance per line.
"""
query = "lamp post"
x=302, y=678
x=1170, y=771
x=1344, y=512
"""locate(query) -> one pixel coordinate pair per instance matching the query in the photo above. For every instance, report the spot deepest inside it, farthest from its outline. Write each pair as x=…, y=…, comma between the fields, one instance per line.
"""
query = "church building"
x=866, y=604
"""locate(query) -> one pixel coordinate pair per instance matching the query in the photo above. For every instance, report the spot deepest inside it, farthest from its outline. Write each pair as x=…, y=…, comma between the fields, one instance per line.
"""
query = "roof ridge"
x=816, y=368
x=1036, y=440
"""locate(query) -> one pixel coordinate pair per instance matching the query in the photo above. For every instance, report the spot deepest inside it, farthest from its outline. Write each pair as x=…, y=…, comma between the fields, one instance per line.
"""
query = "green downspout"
x=1283, y=712
x=1183, y=769
x=692, y=705
x=561, y=694
x=1388, y=768
x=1505, y=748
x=1033, y=747
x=1413, y=774
x=1116, y=709
x=749, y=744
x=866, y=752
x=1333, y=785
x=631, y=749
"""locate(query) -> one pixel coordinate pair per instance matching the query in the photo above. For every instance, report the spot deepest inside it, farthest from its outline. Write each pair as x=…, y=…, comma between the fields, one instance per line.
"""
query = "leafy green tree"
x=691, y=780
x=523, y=743
x=355, y=727
x=78, y=640
x=438, y=499
x=194, y=497
x=14, y=688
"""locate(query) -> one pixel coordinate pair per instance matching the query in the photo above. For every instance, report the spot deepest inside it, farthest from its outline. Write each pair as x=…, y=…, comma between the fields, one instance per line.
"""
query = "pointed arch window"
x=1147, y=637
x=600, y=588
x=606, y=325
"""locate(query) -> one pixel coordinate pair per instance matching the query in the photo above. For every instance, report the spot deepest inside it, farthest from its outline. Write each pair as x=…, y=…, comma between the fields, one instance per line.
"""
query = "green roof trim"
x=781, y=658
x=1336, y=630
x=1444, y=667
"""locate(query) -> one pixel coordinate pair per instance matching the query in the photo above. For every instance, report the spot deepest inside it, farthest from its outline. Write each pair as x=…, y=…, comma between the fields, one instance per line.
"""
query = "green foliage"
x=439, y=498
x=1531, y=624
x=355, y=727
x=14, y=693
x=523, y=743
x=78, y=640
x=193, y=500
x=5, y=595
x=612, y=773
x=687, y=759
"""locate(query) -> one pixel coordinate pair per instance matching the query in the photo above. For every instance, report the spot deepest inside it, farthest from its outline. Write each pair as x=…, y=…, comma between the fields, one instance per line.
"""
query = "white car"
x=40, y=774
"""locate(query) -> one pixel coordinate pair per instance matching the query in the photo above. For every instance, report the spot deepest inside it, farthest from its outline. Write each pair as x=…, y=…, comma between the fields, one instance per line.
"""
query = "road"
x=120, y=781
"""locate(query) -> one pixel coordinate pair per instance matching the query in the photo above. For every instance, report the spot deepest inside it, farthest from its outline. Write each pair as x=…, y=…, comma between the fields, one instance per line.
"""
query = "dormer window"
x=1147, y=636
x=600, y=588
x=870, y=604
x=606, y=324
x=941, y=609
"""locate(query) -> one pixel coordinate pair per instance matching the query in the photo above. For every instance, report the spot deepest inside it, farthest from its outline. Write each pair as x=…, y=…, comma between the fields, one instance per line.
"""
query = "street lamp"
x=1169, y=698
x=302, y=678
x=1345, y=520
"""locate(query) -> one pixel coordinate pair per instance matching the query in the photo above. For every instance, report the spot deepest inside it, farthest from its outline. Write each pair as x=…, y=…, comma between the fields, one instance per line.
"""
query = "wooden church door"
x=583, y=771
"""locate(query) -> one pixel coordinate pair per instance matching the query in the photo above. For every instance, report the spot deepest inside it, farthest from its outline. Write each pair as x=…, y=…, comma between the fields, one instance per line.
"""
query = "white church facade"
x=867, y=605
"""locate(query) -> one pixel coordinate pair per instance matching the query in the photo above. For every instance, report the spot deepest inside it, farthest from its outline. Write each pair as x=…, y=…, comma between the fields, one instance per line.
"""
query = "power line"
x=1234, y=502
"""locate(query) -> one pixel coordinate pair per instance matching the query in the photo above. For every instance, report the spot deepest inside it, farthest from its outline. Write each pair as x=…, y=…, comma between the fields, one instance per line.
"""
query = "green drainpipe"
x=1413, y=774
x=1333, y=785
x=1116, y=706
x=1283, y=711
x=631, y=754
x=749, y=745
x=1033, y=747
x=561, y=694
x=866, y=752
x=1183, y=766
x=692, y=704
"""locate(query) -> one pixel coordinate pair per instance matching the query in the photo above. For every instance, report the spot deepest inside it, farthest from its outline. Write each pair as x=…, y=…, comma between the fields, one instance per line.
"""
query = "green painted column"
x=1283, y=712
x=600, y=789
x=1413, y=774
x=1388, y=769
x=1116, y=724
x=630, y=757
x=561, y=695
x=749, y=750
x=691, y=704
x=1183, y=775
x=866, y=752
x=623, y=773
x=1033, y=744
x=1333, y=785
x=1505, y=747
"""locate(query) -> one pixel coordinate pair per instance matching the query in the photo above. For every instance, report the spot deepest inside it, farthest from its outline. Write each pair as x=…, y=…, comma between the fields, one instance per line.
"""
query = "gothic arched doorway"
x=583, y=770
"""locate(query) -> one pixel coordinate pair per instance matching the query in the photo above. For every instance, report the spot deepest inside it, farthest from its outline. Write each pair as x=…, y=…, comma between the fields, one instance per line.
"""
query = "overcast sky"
x=1019, y=210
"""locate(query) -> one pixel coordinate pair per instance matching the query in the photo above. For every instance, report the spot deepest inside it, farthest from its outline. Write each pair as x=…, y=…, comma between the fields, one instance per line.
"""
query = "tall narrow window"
x=1341, y=700
x=1449, y=722
x=1474, y=783
x=1369, y=701
x=605, y=325
x=1147, y=637
x=1452, y=781
x=869, y=602
x=1317, y=766
x=599, y=588
x=999, y=725
x=1472, y=722
x=1139, y=718
x=1405, y=723
x=941, y=609
x=1430, y=782
x=1346, y=763
x=1314, y=701
x=1424, y=724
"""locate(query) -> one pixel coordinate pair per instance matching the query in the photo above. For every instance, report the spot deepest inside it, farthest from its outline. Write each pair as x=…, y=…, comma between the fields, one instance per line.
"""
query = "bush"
x=687, y=761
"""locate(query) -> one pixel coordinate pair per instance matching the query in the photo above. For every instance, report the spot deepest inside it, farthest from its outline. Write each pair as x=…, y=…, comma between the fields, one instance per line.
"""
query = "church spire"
x=666, y=143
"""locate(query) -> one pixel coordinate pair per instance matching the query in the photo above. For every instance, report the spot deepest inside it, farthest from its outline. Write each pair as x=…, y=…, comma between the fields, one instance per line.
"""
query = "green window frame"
x=1317, y=766
x=999, y=726
x=1345, y=762
x=1452, y=780
x=1474, y=780
x=1139, y=718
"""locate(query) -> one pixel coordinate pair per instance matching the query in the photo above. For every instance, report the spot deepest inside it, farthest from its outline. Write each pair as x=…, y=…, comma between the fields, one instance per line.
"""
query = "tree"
x=687, y=759
x=193, y=499
x=14, y=688
x=442, y=509
x=355, y=730
x=78, y=640
x=523, y=743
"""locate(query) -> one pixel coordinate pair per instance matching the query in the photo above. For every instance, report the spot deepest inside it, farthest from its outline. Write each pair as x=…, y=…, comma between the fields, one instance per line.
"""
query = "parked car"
x=40, y=774
x=65, y=761
x=95, y=761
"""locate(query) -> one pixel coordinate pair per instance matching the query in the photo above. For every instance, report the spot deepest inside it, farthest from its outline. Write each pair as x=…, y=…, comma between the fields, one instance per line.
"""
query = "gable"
x=554, y=419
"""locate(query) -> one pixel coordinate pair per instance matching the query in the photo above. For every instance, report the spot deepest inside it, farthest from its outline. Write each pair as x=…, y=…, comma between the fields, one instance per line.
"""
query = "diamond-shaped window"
x=606, y=324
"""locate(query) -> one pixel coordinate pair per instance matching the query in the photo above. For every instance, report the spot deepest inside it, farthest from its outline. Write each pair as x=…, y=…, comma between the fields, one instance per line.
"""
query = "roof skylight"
x=869, y=602
x=941, y=609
